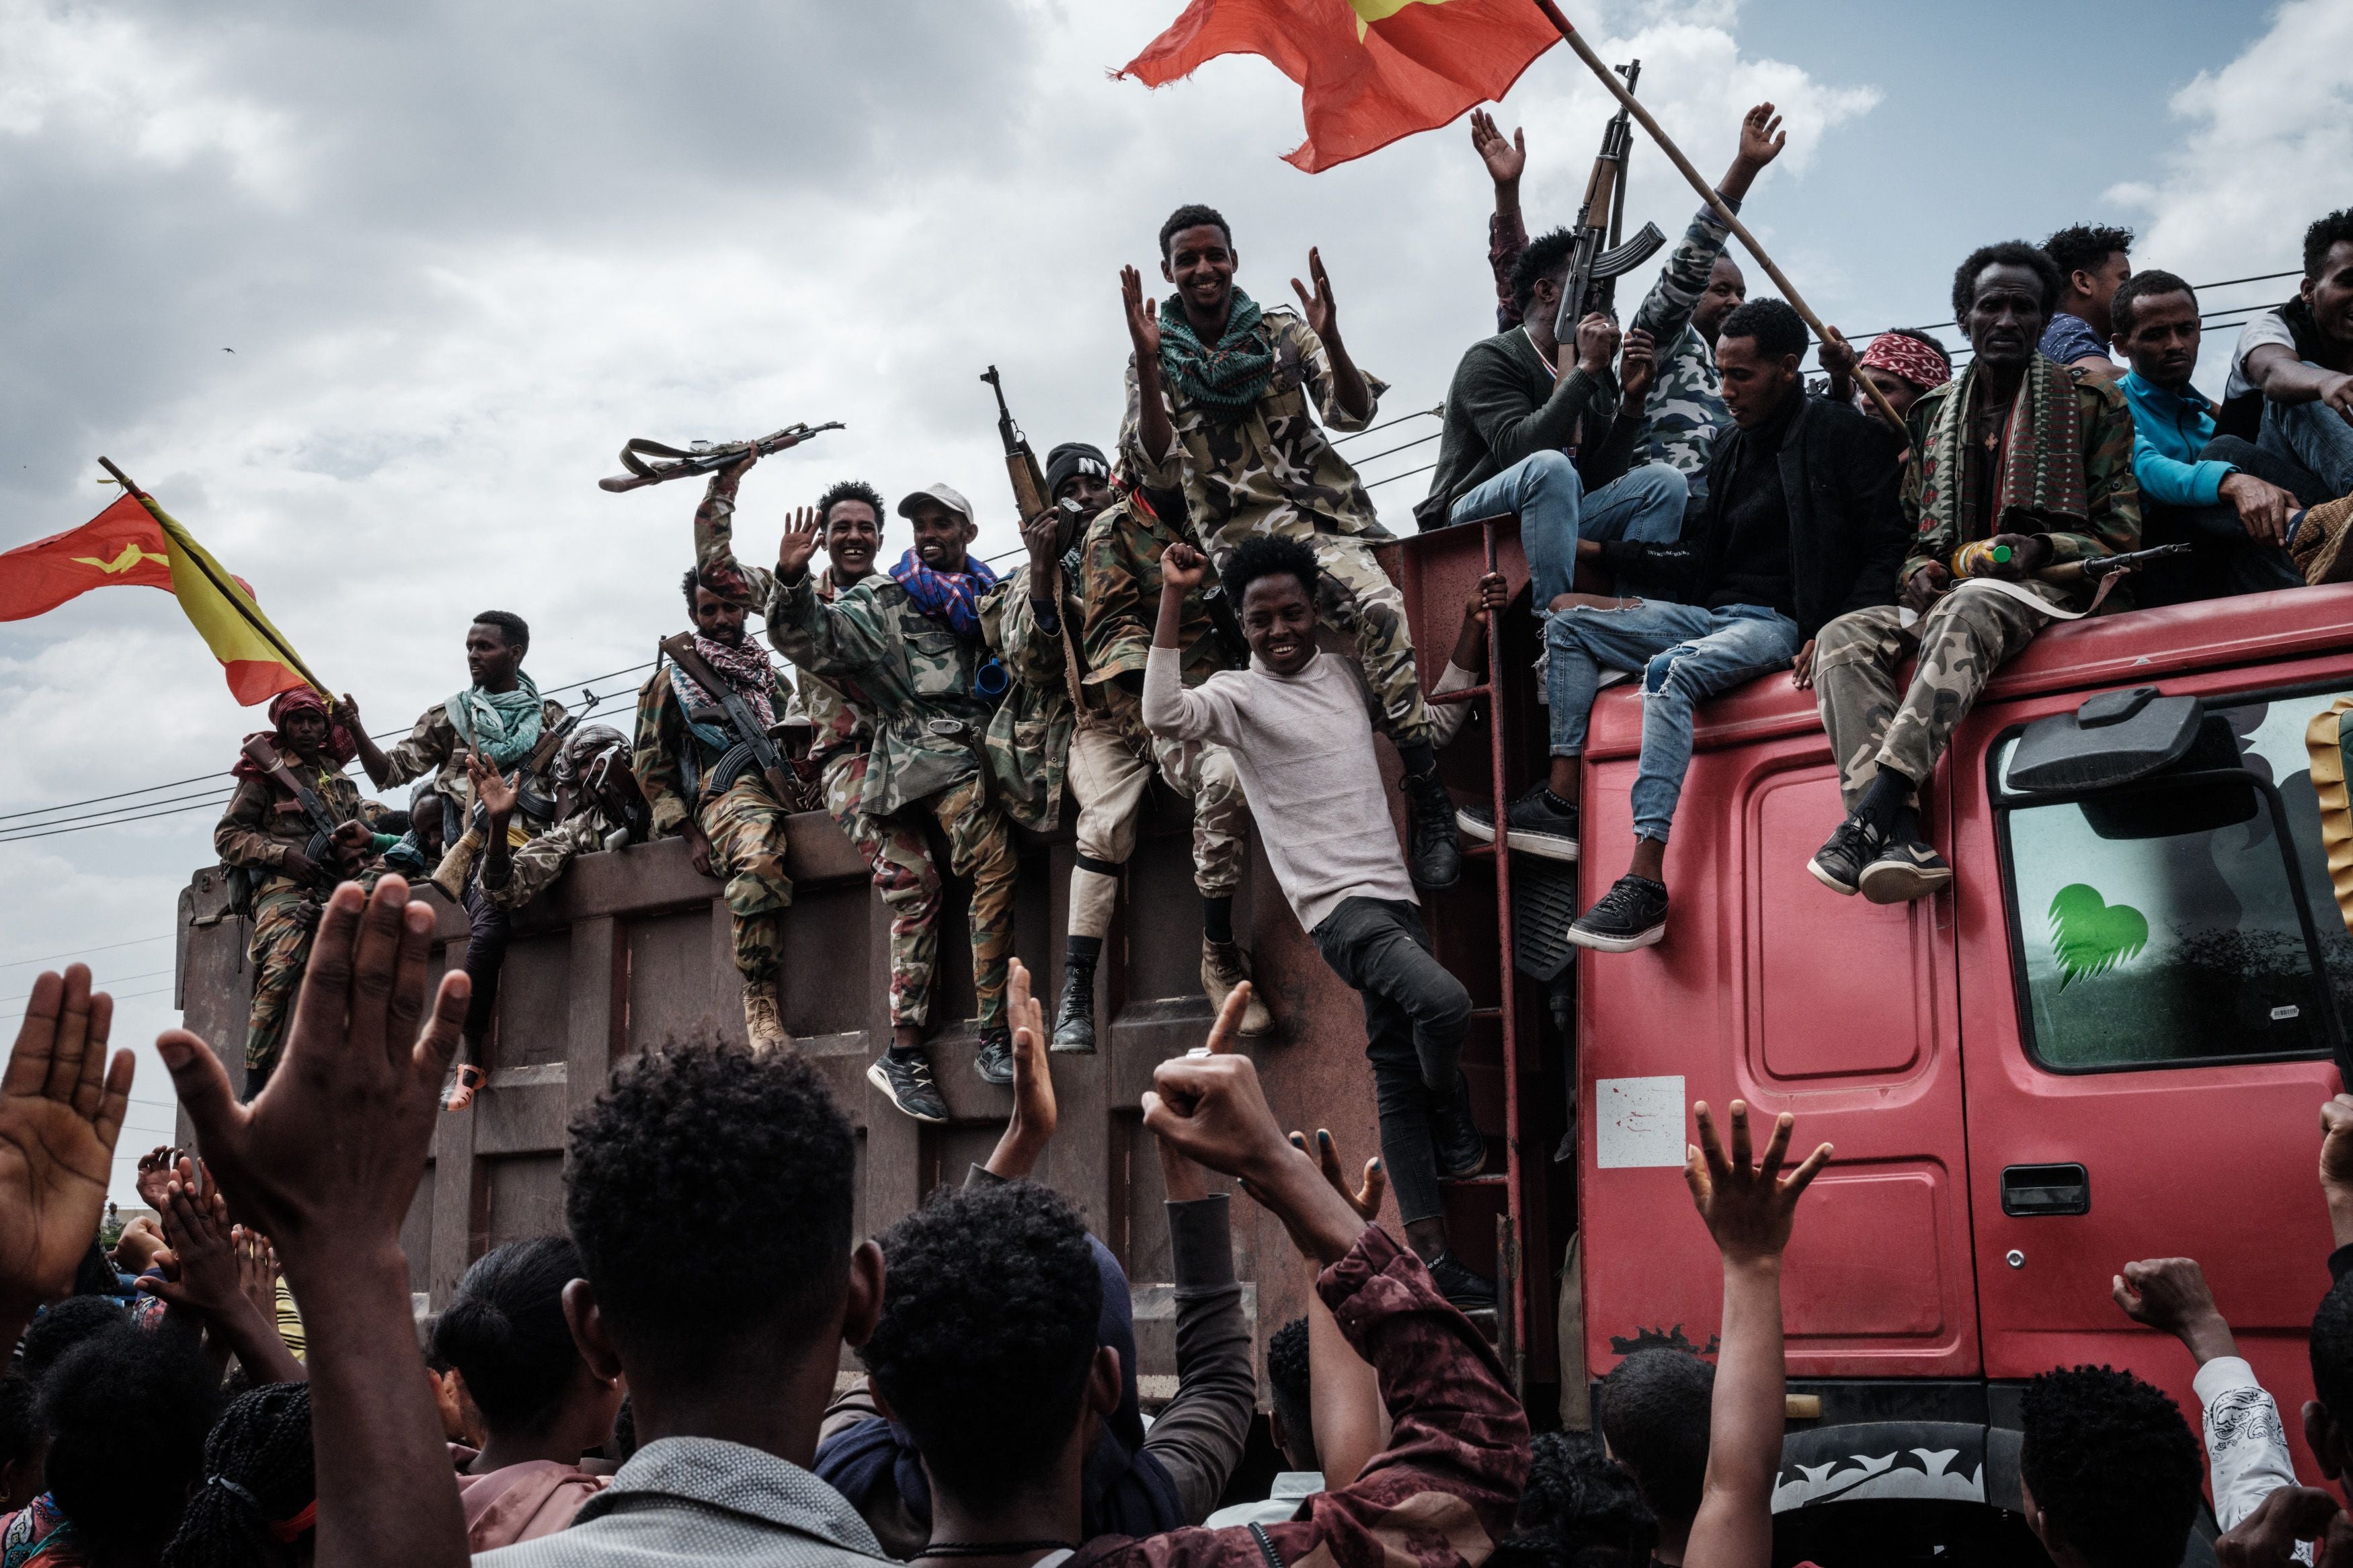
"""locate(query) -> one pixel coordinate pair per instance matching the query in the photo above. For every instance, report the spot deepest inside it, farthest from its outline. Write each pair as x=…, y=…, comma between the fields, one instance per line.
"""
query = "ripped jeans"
x=1684, y=654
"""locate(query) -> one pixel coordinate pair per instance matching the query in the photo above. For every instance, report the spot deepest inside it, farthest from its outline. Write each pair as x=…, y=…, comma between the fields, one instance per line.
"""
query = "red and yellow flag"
x=136, y=542
x=1369, y=70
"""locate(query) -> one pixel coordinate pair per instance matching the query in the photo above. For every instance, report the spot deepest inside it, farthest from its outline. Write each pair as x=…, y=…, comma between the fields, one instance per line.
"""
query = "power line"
x=1418, y=414
x=110, y=947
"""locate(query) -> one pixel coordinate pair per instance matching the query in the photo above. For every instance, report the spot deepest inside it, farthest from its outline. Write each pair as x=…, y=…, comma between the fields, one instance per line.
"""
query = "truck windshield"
x=2158, y=924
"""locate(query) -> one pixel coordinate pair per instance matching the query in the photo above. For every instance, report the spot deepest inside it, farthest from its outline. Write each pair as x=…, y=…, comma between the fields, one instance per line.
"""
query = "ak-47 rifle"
x=1596, y=265
x=702, y=457
x=2093, y=568
x=752, y=741
x=1029, y=498
x=320, y=849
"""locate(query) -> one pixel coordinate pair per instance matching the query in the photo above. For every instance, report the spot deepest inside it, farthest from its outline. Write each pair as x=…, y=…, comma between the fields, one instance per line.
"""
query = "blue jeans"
x=2315, y=436
x=1548, y=493
x=1684, y=654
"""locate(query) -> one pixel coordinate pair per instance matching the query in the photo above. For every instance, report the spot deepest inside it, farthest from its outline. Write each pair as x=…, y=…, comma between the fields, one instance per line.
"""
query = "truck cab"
x=2107, y=1040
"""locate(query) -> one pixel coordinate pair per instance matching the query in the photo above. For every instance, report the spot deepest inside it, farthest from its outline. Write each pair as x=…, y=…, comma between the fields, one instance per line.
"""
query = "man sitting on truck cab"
x=1800, y=525
x=2291, y=385
x=2020, y=469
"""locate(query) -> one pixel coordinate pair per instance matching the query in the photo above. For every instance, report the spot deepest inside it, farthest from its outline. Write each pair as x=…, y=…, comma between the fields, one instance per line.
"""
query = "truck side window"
x=2158, y=924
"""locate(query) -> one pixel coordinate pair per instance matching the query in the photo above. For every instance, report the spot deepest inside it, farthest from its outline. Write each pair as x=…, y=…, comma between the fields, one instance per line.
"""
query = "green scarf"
x=504, y=726
x=1228, y=377
x=2040, y=472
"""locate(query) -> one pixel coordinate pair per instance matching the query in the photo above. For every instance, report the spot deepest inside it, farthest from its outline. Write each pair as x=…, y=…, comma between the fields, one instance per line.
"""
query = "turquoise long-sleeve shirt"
x=2170, y=427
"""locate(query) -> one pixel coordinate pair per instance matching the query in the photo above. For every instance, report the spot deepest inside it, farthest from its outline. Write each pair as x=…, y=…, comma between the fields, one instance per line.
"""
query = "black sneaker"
x=995, y=1062
x=1471, y=1292
x=1902, y=872
x=1074, y=1015
x=1434, y=851
x=1631, y=914
x=907, y=1080
x=1454, y=1135
x=1838, y=863
x=1537, y=826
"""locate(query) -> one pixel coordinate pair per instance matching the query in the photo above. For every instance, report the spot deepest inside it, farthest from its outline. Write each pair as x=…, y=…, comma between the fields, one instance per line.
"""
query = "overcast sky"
x=461, y=252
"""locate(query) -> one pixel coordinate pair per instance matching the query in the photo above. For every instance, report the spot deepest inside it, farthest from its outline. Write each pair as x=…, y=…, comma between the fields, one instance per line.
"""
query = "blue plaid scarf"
x=952, y=599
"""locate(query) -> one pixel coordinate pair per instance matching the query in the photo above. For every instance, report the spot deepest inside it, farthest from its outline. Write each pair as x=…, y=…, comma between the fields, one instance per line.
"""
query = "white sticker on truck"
x=1639, y=1123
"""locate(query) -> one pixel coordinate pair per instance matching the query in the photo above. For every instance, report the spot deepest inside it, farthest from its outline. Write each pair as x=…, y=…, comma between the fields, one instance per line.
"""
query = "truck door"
x=2151, y=979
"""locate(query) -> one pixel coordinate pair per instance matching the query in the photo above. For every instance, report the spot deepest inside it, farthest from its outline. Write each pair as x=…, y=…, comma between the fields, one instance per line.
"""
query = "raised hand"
x=1749, y=1207
x=2170, y=1294
x=1505, y=160
x=1035, y=1114
x=205, y=1275
x=1837, y=355
x=1761, y=136
x=1143, y=320
x=1596, y=345
x=491, y=787
x=343, y=711
x=724, y=481
x=61, y=1109
x=1210, y=1109
x=800, y=543
x=1182, y=567
x=1043, y=536
x=327, y=1157
x=1366, y=1197
x=1637, y=370
x=1318, y=306
x=152, y=1182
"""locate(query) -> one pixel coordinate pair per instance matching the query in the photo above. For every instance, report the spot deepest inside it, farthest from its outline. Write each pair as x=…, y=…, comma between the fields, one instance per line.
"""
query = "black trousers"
x=486, y=953
x=1416, y=1016
x=2227, y=561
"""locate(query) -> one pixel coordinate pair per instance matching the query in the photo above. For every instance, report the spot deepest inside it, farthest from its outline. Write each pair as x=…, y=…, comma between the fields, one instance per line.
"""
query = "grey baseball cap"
x=949, y=497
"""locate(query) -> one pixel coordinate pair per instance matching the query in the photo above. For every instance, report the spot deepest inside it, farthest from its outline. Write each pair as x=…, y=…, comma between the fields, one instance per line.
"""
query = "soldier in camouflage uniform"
x=1218, y=406
x=911, y=644
x=501, y=715
x=1699, y=285
x=735, y=829
x=842, y=743
x=2019, y=455
x=598, y=806
x=267, y=835
x=1072, y=715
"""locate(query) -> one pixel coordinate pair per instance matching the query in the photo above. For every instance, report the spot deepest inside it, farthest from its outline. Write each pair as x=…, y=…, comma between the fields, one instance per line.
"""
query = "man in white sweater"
x=1298, y=722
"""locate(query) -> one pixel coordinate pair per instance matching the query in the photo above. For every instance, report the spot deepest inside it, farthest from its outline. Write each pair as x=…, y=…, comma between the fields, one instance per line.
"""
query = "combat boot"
x=1225, y=965
x=764, y=1020
x=1074, y=1015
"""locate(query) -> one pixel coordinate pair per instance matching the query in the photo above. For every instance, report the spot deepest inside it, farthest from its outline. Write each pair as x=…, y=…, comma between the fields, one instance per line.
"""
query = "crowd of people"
x=1199, y=604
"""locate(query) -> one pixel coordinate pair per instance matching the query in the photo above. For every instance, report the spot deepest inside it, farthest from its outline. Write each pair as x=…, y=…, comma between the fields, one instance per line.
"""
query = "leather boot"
x=764, y=1020
x=1225, y=965
x=1074, y=1015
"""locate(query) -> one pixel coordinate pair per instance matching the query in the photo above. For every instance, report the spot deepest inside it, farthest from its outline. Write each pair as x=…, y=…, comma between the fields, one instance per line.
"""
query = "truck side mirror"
x=2112, y=739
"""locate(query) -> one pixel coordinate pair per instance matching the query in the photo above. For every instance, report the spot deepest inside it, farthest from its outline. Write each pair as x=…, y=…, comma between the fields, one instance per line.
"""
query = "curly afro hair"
x=1655, y=1414
x=1547, y=255
x=690, y=1151
x=2085, y=248
x=1579, y=1509
x=2009, y=253
x=505, y=1330
x=261, y=1447
x=127, y=1410
x=61, y=1328
x=850, y=489
x=1193, y=215
x=1775, y=325
x=2325, y=235
x=990, y=1302
x=2112, y=1465
x=1287, y=1388
x=1267, y=555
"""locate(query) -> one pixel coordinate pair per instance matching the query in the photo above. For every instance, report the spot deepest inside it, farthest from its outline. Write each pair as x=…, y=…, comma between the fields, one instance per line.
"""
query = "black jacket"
x=1503, y=404
x=1847, y=534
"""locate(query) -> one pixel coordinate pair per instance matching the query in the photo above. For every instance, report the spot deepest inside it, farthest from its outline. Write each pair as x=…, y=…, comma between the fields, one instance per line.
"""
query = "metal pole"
x=1707, y=192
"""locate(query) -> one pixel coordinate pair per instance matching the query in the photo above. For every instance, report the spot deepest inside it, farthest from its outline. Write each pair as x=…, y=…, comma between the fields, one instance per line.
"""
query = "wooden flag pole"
x=1731, y=219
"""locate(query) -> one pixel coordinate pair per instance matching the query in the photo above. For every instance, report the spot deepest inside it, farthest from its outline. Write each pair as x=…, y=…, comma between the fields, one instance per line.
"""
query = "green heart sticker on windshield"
x=2090, y=935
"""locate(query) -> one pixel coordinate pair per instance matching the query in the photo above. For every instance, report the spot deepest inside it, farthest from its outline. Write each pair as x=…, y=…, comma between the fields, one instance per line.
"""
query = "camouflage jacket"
x=836, y=722
x=535, y=867
x=2113, y=525
x=1685, y=407
x=432, y=747
x=1444, y=1491
x=911, y=678
x=1272, y=471
x=670, y=758
x=262, y=822
x=1028, y=744
x=1122, y=575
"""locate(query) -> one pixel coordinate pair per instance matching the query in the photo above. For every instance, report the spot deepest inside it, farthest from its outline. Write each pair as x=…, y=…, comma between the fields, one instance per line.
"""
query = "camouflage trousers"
x=279, y=951
x=746, y=829
x=980, y=848
x=1356, y=599
x=1110, y=775
x=904, y=877
x=1872, y=721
